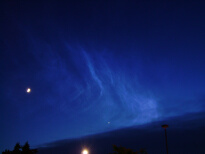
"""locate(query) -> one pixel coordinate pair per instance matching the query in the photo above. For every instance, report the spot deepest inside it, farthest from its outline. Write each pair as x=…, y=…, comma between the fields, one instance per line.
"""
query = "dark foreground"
x=186, y=134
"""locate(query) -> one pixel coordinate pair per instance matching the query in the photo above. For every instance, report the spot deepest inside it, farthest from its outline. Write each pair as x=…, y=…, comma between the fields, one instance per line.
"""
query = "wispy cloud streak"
x=92, y=71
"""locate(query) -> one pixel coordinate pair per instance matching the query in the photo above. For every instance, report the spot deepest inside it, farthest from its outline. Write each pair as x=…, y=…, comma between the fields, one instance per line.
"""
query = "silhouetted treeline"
x=123, y=150
x=18, y=149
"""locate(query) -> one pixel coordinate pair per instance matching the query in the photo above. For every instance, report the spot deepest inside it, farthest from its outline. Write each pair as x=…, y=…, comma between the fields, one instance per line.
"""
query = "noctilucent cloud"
x=97, y=66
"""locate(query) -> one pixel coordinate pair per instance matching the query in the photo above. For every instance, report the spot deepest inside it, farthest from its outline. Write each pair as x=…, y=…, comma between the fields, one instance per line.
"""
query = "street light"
x=85, y=151
x=165, y=127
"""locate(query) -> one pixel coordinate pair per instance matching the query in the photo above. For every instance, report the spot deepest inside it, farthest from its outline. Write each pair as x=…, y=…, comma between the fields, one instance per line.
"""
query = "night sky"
x=98, y=66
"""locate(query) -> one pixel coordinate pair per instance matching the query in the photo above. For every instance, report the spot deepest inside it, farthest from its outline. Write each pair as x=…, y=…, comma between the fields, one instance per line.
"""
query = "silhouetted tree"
x=25, y=149
x=6, y=152
x=17, y=149
x=123, y=150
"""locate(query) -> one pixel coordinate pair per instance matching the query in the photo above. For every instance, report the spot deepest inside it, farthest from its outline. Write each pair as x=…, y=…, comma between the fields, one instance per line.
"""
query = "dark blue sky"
x=97, y=66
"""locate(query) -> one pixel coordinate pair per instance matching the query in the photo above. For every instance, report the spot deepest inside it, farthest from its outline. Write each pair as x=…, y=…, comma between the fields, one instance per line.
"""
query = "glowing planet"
x=28, y=90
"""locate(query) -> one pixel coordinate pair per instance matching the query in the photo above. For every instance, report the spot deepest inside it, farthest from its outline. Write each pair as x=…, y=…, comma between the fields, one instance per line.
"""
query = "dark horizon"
x=98, y=66
x=181, y=133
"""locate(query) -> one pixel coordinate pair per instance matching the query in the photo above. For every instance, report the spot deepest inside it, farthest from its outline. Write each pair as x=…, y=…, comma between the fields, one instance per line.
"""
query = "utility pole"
x=165, y=127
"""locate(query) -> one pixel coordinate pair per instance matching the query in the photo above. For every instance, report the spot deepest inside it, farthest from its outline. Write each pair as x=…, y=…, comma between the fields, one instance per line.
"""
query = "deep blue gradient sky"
x=97, y=66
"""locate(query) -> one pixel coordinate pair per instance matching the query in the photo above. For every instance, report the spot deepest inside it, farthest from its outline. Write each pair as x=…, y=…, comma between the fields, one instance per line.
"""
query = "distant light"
x=85, y=151
x=28, y=90
x=108, y=122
